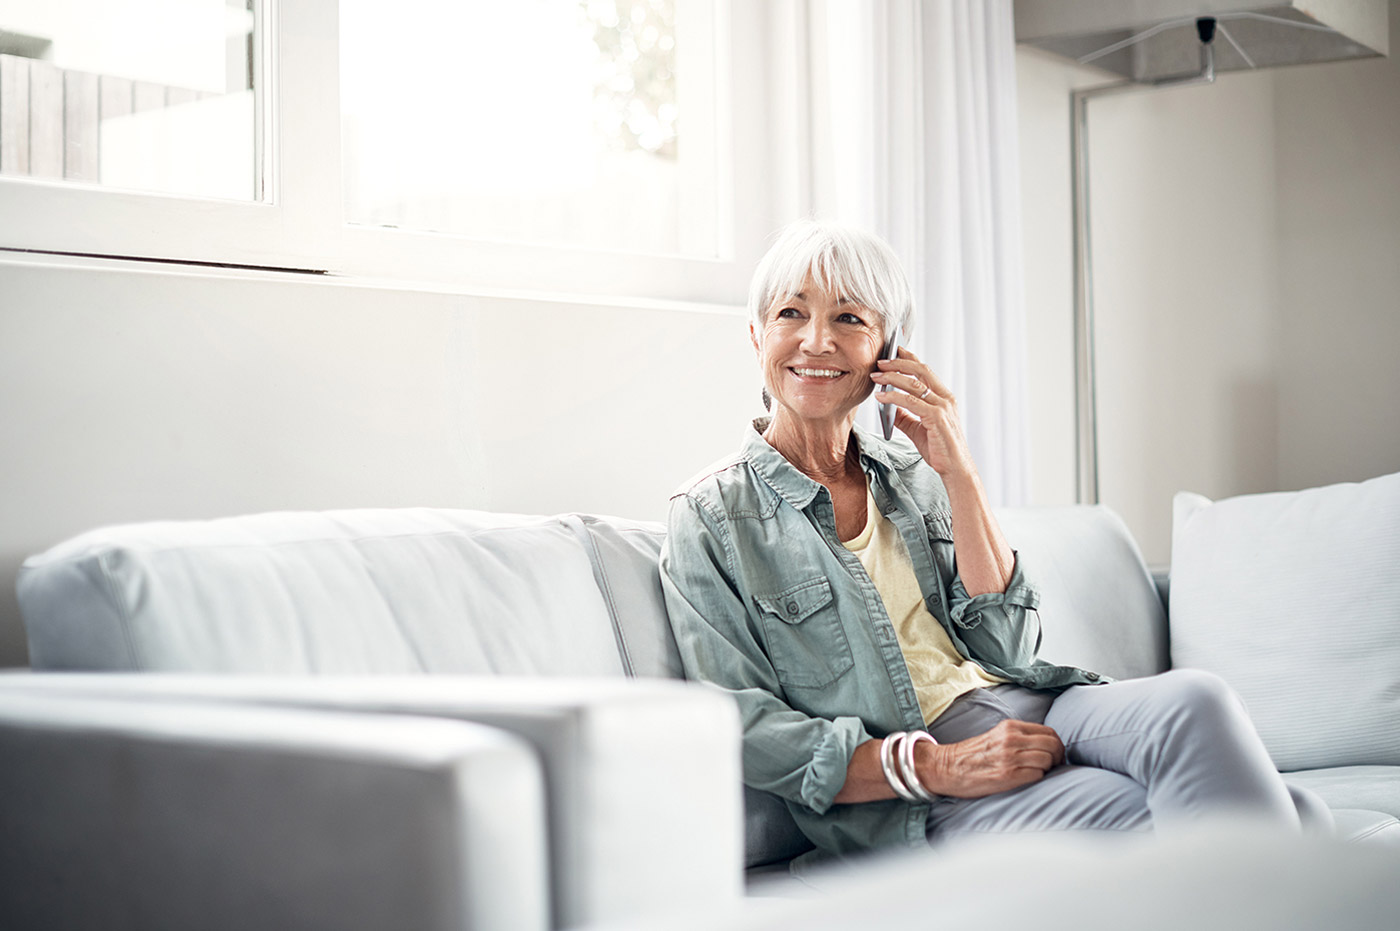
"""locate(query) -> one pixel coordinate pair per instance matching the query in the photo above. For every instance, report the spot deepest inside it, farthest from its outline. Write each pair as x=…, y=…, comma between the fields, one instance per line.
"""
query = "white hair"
x=844, y=260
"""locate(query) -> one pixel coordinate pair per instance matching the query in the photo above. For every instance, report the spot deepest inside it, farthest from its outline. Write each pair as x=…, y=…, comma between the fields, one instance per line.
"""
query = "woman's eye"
x=850, y=318
x=787, y=312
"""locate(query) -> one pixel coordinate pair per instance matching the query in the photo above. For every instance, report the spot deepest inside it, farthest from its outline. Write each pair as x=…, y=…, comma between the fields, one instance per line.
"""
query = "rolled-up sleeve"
x=1012, y=637
x=786, y=752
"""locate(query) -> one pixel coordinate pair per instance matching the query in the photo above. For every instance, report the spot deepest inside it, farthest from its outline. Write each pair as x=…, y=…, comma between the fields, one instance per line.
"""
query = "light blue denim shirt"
x=766, y=603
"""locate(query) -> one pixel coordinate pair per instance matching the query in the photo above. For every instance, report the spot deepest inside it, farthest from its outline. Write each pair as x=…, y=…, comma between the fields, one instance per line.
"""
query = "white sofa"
x=642, y=797
x=335, y=614
x=1219, y=876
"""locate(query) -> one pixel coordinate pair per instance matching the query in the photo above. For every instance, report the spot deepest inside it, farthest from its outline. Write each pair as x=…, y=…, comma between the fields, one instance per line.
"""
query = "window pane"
x=580, y=122
x=146, y=95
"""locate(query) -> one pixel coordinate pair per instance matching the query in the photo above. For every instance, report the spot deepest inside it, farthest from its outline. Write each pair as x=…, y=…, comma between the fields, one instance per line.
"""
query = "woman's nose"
x=816, y=336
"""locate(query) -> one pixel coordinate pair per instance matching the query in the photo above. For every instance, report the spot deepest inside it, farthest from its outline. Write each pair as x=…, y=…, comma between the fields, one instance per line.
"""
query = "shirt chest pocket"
x=806, y=640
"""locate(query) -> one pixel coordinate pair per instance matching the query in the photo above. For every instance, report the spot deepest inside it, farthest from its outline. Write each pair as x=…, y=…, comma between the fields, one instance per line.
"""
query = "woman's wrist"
x=932, y=762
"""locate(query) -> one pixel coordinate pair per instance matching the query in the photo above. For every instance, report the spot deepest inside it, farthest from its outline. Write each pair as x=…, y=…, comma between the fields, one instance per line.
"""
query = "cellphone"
x=887, y=410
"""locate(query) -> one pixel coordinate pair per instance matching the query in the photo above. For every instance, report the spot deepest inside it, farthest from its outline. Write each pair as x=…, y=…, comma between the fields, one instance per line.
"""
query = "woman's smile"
x=815, y=373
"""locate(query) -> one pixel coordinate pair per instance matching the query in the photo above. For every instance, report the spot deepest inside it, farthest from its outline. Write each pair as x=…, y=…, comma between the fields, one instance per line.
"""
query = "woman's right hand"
x=1010, y=755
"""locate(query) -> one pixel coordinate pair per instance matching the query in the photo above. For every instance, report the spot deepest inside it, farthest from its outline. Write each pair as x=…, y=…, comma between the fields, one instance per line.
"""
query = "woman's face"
x=817, y=353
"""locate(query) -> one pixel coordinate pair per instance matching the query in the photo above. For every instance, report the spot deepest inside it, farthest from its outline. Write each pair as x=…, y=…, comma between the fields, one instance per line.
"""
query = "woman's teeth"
x=818, y=373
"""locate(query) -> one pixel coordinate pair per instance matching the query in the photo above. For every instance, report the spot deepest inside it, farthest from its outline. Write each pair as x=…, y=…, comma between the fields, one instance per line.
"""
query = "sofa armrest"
x=161, y=814
x=643, y=777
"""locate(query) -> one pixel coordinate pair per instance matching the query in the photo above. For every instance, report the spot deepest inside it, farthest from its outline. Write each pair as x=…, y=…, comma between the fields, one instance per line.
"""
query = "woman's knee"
x=1198, y=696
x=1199, y=688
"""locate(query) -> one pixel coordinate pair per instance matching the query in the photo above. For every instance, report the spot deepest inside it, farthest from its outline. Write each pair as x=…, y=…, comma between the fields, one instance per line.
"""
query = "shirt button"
x=792, y=607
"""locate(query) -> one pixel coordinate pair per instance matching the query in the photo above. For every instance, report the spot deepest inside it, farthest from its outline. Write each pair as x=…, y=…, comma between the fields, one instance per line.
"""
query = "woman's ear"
x=753, y=337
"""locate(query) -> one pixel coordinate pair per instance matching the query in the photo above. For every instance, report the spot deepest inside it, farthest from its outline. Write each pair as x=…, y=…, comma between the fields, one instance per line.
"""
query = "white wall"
x=1182, y=185
x=1338, y=170
x=1245, y=244
x=130, y=394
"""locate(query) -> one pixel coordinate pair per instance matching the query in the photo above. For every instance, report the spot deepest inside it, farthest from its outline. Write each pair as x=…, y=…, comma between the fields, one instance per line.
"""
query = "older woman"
x=856, y=596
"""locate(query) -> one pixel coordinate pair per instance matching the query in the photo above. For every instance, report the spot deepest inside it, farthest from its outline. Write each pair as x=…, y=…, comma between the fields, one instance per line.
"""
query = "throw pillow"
x=1294, y=599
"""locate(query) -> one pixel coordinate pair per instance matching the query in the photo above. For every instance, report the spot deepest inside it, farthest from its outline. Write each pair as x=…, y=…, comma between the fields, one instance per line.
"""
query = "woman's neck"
x=822, y=452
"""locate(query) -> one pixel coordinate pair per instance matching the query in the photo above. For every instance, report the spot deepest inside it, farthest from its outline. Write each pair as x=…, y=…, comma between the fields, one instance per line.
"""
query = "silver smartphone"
x=887, y=410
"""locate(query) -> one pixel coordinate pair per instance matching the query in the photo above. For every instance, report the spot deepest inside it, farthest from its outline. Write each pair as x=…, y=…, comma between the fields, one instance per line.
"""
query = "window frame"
x=299, y=224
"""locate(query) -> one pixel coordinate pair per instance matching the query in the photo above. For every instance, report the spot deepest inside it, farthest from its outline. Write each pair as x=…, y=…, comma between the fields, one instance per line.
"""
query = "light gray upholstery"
x=624, y=556
x=1224, y=877
x=1313, y=569
x=421, y=590
x=617, y=758
x=1366, y=826
x=347, y=592
x=144, y=815
x=1374, y=787
x=1099, y=606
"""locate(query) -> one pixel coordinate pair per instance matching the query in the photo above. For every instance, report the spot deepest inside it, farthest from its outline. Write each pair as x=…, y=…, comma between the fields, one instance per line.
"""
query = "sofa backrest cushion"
x=362, y=591
x=1294, y=599
x=1099, y=607
x=624, y=555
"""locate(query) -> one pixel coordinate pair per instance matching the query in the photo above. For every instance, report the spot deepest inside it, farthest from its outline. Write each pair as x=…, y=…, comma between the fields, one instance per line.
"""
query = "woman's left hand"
x=928, y=413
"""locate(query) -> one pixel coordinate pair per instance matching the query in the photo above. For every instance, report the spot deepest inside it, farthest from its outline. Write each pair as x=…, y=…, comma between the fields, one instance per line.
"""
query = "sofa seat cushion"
x=1373, y=787
x=1292, y=598
x=363, y=591
x=1362, y=826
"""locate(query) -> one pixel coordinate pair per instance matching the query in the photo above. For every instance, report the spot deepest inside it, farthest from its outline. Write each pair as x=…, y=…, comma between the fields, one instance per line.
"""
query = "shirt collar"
x=797, y=489
x=894, y=454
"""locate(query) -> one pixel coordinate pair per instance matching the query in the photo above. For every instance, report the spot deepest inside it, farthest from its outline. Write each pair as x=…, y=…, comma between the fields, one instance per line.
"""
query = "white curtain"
x=913, y=131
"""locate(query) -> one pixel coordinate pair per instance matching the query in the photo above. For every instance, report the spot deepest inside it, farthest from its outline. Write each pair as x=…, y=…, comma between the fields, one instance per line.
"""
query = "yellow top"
x=939, y=673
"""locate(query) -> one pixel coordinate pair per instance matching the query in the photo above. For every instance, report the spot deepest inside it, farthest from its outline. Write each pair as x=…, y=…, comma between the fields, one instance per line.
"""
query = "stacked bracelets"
x=905, y=781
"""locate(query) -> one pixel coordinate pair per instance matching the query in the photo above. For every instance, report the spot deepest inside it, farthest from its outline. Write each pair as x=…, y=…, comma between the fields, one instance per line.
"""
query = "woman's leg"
x=1069, y=798
x=1185, y=737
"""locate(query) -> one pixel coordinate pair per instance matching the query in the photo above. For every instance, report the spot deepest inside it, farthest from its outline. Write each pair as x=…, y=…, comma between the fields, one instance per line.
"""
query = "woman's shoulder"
x=728, y=490
x=708, y=477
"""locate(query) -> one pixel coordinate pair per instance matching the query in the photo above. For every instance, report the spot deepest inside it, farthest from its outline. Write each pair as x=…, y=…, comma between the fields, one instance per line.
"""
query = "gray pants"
x=1142, y=754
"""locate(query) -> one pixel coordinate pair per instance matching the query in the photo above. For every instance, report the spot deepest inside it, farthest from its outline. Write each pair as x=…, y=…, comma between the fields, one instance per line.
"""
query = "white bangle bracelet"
x=907, y=743
x=887, y=764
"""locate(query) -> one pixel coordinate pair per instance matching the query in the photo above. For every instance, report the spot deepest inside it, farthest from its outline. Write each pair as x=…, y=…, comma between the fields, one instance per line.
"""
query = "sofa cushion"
x=363, y=591
x=1099, y=606
x=624, y=556
x=1293, y=598
x=1363, y=826
x=1373, y=787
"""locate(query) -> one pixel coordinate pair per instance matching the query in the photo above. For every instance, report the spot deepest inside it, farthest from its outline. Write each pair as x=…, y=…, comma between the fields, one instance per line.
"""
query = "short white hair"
x=844, y=260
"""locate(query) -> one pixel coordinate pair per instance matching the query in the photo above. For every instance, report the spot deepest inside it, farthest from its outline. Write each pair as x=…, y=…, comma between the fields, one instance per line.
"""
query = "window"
x=90, y=92
x=570, y=146
x=574, y=122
